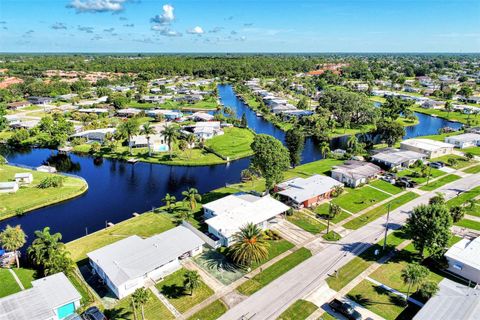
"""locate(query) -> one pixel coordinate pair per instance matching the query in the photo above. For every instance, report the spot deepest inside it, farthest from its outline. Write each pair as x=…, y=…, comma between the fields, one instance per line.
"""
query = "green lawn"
x=172, y=288
x=317, y=167
x=331, y=236
x=355, y=200
x=463, y=199
x=323, y=209
x=386, y=186
x=452, y=116
x=8, y=284
x=145, y=225
x=473, y=170
x=462, y=162
x=211, y=312
x=379, y=211
x=470, y=224
x=234, y=144
x=434, y=173
x=274, y=271
x=30, y=197
x=299, y=310
x=306, y=222
x=26, y=276
x=154, y=309
x=472, y=150
x=440, y=182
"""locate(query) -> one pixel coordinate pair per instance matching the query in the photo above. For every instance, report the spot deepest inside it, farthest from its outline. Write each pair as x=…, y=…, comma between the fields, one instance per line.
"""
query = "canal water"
x=118, y=189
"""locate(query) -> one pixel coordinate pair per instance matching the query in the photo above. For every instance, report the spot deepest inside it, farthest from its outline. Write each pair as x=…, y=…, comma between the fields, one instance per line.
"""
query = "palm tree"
x=191, y=281
x=413, y=274
x=448, y=107
x=12, y=239
x=352, y=143
x=250, y=245
x=324, y=149
x=191, y=143
x=128, y=129
x=185, y=215
x=147, y=130
x=171, y=134
x=169, y=201
x=141, y=297
x=333, y=211
x=191, y=197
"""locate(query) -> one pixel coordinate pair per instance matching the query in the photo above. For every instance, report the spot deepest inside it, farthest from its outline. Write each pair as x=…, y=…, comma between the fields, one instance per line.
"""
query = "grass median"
x=440, y=182
x=299, y=310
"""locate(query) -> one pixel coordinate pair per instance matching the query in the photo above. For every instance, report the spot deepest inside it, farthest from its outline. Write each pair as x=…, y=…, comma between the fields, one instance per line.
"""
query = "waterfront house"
x=23, y=178
x=46, y=169
x=354, y=173
x=49, y=298
x=306, y=192
x=134, y=262
x=17, y=105
x=207, y=130
x=464, y=259
x=97, y=135
x=158, y=142
x=465, y=140
x=431, y=148
x=128, y=112
x=394, y=158
x=227, y=215
x=168, y=114
x=202, y=116
x=8, y=187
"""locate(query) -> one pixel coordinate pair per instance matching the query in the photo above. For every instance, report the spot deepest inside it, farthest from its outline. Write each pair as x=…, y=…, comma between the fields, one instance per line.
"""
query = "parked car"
x=389, y=177
x=404, y=182
x=437, y=164
x=73, y=316
x=93, y=313
x=345, y=309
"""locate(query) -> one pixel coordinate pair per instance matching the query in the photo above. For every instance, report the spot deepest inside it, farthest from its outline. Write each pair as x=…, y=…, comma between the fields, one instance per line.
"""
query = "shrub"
x=272, y=235
x=51, y=182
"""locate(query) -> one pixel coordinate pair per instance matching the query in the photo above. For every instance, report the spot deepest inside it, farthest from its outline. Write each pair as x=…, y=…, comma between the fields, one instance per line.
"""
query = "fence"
x=212, y=243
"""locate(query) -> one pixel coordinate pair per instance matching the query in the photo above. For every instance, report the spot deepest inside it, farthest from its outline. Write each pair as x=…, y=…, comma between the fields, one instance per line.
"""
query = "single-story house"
x=128, y=112
x=23, y=178
x=157, y=142
x=17, y=105
x=46, y=169
x=152, y=99
x=67, y=97
x=227, y=215
x=354, y=173
x=395, y=158
x=97, y=135
x=24, y=124
x=133, y=262
x=94, y=110
x=432, y=148
x=8, y=187
x=40, y=100
x=464, y=259
x=305, y=192
x=50, y=298
x=473, y=130
x=464, y=140
x=202, y=116
x=207, y=130
x=168, y=114
x=454, y=301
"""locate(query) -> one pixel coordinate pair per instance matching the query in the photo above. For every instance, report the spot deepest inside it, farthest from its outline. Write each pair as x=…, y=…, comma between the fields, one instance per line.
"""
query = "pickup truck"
x=345, y=309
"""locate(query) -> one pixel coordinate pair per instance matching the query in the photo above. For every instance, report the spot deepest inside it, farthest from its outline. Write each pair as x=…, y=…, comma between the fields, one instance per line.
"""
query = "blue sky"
x=239, y=26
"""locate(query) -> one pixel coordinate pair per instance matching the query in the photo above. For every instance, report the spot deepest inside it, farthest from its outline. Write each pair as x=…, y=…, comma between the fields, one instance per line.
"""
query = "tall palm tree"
x=128, y=129
x=191, y=143
x=171, y=134
x=325, y=149
x=352, y=143
x=413, y=274
x=147, y=130
x=250, y=245
x=169, y=201
x=191, y=197
x=12, y=239
x=191, y=280
x=141, y=297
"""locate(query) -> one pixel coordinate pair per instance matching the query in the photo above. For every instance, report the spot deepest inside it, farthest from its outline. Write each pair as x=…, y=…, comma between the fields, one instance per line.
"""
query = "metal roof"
x=301, y=189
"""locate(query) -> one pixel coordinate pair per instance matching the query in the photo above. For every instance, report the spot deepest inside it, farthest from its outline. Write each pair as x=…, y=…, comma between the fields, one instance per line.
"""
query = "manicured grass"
x=331, y=236
x=434, y=173
x=462, y=162
x=470, y=224
x=274, y=271
x=154, y=309
x=323, y=209
x=472, y=150
x=317, y=167
x=440, y=182
x=306, y=222
x=87, y=297
x=326, y=316
x=30, y=197
x=145, y=225
x=211, y=312
x=8, y=284
x=452, y=116
x=172, y=288
x=355, y=200
x=463, y=198
x=379, y=211
x=473, y=170
x=299, y=310
x=386, y=186
x=234, y=144
x=26, y=276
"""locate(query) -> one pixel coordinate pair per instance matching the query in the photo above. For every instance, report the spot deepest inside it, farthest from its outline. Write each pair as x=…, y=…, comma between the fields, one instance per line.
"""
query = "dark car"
x=345, y=309
x=93, y=313
x=436, y=165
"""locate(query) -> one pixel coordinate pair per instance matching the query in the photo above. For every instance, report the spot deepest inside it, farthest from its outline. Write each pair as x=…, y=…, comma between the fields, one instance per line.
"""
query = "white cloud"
x=166, y=17
x=167, y=32
x=97, y=5
x=197, y=30
x=58, y=26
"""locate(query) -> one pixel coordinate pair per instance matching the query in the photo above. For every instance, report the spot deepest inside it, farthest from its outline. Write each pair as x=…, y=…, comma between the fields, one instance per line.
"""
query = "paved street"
x=272, y=300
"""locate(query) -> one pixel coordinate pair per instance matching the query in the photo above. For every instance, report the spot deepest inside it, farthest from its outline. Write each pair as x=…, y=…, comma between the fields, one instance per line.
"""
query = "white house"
x=465, y=140
x=23, y=178
x=464, y=259
x=46, y=169
x=227, y=215
x=50, y=298
x=133, y=262
x=395, y=158
x=158, y=142
x=207, y=130
x=202, y=116
x=8, y=187
x=354, y=173
x=97, y=135
x=431, y=148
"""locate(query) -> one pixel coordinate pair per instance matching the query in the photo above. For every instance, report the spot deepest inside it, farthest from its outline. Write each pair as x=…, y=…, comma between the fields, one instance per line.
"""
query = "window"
x=458, y=266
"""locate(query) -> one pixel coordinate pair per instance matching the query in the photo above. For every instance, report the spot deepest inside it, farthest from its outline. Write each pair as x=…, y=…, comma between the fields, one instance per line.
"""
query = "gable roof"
x=357, y=169
x=302, y=189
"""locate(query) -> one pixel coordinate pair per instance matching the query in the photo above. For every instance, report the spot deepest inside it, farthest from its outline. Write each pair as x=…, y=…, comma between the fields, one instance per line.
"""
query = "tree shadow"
x=118, y=314
x=173, y=291
x=220, y=262
x=360, y=299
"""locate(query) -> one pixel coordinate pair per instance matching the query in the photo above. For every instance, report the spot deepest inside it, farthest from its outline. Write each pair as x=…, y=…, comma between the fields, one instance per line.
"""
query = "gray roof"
x=454, y=301
x=302, y=189
x=133, y=257
x=395, y=156
x=357, y=169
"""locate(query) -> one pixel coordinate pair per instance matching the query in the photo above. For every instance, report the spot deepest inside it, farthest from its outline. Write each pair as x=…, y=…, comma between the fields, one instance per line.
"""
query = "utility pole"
x=429, y=172
x=386, y=227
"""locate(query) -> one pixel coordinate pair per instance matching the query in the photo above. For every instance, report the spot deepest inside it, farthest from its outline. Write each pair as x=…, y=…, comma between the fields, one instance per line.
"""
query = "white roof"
x=133, y=257
x=94, y=132
x=212, y=124
x=426, y=144
x=235, y=211
x=8, y=185
x=23, y=175
x=203, y=116
x=395, y=156
x=301, y=189
x=142, y=139
x=466, y=137
x=467, y=252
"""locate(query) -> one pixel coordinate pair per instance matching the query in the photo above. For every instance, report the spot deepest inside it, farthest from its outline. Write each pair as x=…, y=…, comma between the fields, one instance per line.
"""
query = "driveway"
x=290, y=232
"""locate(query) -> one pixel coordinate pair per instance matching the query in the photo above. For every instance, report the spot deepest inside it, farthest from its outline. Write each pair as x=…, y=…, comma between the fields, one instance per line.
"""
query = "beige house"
x=431, y=148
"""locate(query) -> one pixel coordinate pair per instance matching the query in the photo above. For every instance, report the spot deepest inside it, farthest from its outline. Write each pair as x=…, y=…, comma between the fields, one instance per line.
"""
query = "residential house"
x=8, y=187
x=168, y=114
x=464, y=259
x=207, y=130
x=135, y=262
x=18, y=105
x=431, y=148
x=128, y=112
x=40, y=101
x=23, y=178
x=394, y=158
x=202, y=116
x=157, y=142
x=354, y=173
x=227, y=215
x=97, y=135
x=97, y=111
x=473, y=130
x=152, y=99
x=24, y=124
x=49, y=298
x=465, y=140
x=306, y=192
x=67, y=97
x=46, y=169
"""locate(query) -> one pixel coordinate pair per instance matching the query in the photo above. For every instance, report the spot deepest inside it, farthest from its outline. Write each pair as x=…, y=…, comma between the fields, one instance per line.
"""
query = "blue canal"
x=118, y=189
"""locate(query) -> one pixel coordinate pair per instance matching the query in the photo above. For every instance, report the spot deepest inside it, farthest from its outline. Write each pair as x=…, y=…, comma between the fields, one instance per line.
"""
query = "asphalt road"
x=272, y=300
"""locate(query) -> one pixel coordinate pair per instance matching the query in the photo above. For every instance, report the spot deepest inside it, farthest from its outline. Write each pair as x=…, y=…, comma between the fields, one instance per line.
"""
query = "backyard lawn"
x=154, y=309
x=234, y=144
x=317, y=167
x=299, y=310
x=306, y=222
x=8, y=284
x=440, y=182
x=355, y=200
x=26, y=276
x=274, y=271
x=30, y=197
x=172, y=288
